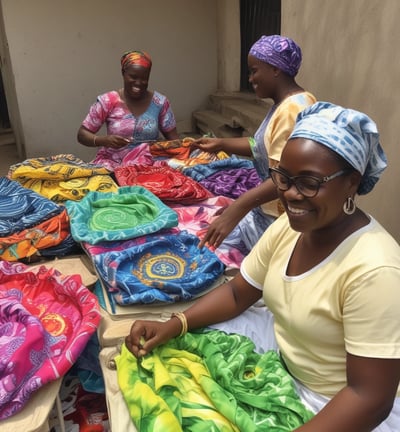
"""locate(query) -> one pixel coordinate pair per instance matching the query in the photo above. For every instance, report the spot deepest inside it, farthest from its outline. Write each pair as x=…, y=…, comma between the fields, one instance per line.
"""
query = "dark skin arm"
x=224, y=224
x=365, y=402
x=223, y=303
x=87, y=138
x=171, y=135
x=239, y=146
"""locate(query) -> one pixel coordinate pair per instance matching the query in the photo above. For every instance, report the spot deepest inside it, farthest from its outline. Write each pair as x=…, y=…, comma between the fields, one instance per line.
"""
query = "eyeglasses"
x=307, y=185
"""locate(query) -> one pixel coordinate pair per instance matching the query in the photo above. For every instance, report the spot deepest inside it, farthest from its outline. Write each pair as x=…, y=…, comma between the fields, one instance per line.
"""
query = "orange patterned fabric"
x=28, y=242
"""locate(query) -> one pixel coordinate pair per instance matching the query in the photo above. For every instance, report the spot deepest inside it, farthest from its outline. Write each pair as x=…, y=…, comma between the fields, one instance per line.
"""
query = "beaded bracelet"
x=182, y=318
x=94, y=140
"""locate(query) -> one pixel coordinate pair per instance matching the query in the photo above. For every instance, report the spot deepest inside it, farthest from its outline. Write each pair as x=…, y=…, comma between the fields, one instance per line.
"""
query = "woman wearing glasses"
x=328, y=272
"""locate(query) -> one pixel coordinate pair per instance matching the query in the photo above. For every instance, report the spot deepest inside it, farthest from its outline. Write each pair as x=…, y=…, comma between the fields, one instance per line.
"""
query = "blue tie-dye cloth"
x=22, y=208
x=202, y=171
x=131, y=212
x=159, y=268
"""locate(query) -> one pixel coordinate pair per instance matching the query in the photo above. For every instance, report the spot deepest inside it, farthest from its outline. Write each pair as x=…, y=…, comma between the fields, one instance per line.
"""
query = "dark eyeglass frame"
x=293, y=180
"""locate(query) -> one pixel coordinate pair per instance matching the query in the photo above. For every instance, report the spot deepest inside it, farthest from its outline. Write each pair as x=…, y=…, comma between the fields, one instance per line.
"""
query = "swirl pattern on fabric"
x=209, y=381
x=46, y=320
x=131, y=212
x=159, y=268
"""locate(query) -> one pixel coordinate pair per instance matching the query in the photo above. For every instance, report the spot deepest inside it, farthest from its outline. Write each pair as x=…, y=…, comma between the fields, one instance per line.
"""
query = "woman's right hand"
x=211, y=145
x=221, y=227
x=144, y=336
x=112, y=141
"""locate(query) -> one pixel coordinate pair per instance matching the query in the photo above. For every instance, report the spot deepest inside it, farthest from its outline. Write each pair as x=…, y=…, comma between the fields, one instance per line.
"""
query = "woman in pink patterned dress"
x=133, y=115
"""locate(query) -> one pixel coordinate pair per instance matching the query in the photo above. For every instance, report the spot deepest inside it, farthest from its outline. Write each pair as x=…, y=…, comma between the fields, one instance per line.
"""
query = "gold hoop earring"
x=349, y=206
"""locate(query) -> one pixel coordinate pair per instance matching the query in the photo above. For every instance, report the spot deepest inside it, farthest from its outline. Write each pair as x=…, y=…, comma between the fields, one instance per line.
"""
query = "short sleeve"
x=282, y=123
x=371, y=314
x=98, y=112
x=167, y=120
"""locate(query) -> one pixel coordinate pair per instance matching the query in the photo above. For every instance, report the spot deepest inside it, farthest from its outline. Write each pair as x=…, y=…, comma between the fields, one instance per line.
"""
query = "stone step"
x=6, y=137
x=243, y=109
x=213, y=122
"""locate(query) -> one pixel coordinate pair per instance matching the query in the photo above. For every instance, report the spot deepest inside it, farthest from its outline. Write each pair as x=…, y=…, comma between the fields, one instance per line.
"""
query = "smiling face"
x=262, y=76
x=136, y=81
x=325, y=210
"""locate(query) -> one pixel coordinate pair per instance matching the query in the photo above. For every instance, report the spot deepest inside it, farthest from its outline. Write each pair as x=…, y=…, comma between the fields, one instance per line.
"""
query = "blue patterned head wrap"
x=349, y=133
x=278, y=51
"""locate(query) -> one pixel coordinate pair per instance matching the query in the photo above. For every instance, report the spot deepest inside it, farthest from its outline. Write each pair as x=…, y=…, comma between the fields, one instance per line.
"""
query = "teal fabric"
x=130, y=212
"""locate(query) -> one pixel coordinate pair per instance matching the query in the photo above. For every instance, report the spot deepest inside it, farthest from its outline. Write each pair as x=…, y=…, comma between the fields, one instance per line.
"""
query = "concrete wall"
x=63, y=53
x=350, y=58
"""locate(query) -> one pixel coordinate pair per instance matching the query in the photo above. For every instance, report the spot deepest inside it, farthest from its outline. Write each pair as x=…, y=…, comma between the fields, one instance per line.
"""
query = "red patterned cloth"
x=166, y=183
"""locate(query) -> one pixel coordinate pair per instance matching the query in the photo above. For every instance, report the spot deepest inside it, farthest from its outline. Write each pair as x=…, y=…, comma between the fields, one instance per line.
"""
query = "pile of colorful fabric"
x=138, y=219
x=31, y=223
x=46, y=320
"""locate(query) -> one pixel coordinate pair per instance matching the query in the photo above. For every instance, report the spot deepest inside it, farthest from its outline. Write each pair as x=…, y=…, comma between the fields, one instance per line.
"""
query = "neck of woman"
x=286, y=92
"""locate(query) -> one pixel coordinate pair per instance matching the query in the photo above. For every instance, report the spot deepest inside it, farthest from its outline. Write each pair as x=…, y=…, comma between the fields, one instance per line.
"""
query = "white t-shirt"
x=348, y=302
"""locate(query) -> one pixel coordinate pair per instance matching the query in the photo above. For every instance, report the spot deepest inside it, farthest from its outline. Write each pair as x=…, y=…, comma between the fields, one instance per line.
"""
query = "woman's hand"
x=221, y=227
x=146, y=335
x=211, y=145
x=90, y=139
x=112, y=141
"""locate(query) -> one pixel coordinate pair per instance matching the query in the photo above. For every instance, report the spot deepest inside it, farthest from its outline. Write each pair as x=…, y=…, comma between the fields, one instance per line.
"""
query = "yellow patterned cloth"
x=62, y=177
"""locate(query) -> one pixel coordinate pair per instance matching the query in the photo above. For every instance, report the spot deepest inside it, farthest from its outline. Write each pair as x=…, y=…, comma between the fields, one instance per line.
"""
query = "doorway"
x=10, y=130
x=257, y=18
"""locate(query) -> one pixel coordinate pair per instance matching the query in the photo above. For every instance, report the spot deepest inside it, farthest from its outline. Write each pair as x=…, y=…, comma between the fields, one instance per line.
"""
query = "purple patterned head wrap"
x=278, y=51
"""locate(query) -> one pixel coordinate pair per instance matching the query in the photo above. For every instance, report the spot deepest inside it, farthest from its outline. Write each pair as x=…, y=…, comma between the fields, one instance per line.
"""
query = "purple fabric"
x=278, y=51
x=231, y=183
x=46, y=319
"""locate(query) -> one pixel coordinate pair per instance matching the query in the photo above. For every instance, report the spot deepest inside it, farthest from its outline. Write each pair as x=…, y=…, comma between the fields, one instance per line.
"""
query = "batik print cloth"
x=46, y=319
x=227, y=177
x=131, y=212
x=178, y=149
x=28, y=242
x=170, y=185
x=209, y=381
x=159, y=268
x=62, y=177
x=21, y=208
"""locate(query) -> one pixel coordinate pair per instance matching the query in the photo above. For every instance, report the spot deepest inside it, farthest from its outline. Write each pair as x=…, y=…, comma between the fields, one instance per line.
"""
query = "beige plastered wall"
x=61, y=54
x=350, y=57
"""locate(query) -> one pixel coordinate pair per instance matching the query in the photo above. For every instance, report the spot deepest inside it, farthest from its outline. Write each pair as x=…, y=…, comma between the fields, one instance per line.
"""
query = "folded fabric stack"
x=159, y=268
x=169, y=184
x=140, y=261
x=31, y=224
x=62, y=177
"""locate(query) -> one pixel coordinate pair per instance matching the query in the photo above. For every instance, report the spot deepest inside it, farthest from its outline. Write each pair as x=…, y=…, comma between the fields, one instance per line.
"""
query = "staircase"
x=234, y=114
x=6, y=136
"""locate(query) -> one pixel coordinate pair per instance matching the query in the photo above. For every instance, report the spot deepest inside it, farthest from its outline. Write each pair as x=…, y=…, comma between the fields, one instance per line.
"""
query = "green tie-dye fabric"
x=209, y=381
